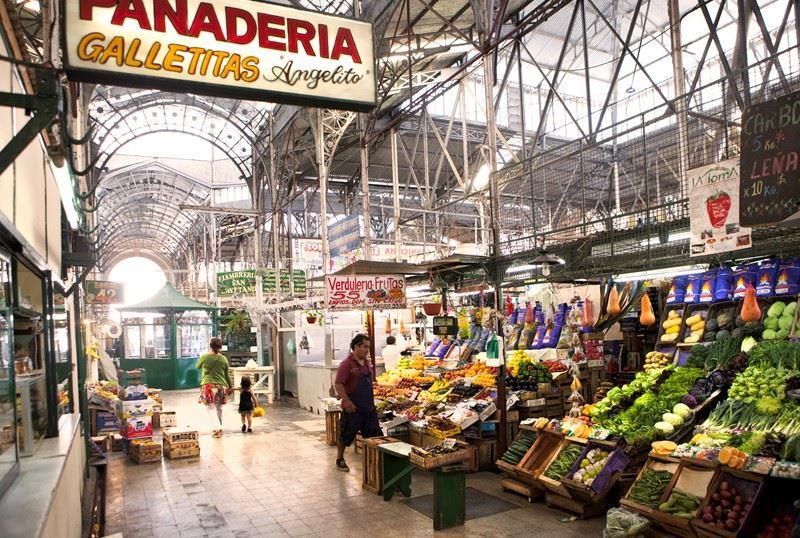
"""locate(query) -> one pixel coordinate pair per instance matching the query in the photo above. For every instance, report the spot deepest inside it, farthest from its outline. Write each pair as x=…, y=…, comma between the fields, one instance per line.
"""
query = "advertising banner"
x=243, y=283
x=243, y=49
x=714, y=209
x=365, y=292
x=103, y=292
x=344, y=236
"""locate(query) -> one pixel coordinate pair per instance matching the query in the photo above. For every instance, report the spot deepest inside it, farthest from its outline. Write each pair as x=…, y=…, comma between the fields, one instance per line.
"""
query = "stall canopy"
x=167, y=298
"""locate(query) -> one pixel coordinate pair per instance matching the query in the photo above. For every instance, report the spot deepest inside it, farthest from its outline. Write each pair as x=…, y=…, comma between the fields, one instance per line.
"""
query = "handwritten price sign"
x=769, y=188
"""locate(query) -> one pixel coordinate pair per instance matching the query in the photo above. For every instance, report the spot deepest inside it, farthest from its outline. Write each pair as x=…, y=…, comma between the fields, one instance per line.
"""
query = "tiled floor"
x=281, y=481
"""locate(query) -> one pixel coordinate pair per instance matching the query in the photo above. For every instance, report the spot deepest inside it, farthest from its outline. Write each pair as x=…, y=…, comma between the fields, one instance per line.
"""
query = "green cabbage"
x=776, y=310
x=673, y=419
x=682, y=410
x=664, y=428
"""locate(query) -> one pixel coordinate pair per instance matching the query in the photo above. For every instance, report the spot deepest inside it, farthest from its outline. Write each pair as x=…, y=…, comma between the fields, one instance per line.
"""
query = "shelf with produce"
x=778, y=317
x=672, y=325
x=694, y=323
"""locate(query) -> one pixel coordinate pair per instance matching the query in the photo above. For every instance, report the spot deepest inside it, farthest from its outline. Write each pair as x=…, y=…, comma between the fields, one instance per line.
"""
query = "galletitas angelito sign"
x=235, y=48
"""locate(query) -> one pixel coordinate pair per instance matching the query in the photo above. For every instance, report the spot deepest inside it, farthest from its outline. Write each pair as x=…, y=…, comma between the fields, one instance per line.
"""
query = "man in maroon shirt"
x=353, y=384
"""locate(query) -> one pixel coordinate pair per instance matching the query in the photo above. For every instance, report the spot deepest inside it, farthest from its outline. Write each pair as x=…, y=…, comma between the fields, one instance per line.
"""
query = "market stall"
x=165, y=335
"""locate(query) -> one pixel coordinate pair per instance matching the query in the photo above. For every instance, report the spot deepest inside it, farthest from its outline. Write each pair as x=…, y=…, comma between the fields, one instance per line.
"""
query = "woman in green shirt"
x=215, y=384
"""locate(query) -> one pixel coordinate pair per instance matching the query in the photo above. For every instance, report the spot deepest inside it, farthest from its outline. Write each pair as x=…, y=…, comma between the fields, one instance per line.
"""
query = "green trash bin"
x=449, y=496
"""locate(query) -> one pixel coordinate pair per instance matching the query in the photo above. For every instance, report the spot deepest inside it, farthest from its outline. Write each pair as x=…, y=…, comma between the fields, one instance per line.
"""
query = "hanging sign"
x=103, y=292
x=714, y=209
x=365, y=292
x=770, y=186
x=243, y=49
x=244, y=282
x=445, y=326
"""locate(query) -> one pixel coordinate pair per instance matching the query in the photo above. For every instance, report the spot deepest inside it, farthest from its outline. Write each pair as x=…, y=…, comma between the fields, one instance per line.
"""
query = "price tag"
x=413, y=395
x=596, y=363
x=449, y=443
x=467, y=382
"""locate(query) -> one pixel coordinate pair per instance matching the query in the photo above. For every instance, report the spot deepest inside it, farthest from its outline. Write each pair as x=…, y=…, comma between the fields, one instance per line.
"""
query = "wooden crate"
x=175, y=452
x=693, y=476
x=532, y=492
x=582, y=509
x=656, y=463
x=532, y=464
x=372, y=479
x=358, y=445
x=554, y=486
x=485, y=453
x=701, y=309
x=180, y=435
x=145, y=453
x=332, y=419
x=589, y=494
x=743, y=481
x=434, y=462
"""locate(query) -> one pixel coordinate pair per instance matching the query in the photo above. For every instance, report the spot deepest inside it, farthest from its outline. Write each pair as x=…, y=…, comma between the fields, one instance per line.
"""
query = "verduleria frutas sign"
x=233, y=48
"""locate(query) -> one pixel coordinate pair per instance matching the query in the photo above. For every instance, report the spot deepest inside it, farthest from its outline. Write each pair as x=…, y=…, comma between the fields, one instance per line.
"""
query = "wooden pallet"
x=581, y=509
x=526, y=490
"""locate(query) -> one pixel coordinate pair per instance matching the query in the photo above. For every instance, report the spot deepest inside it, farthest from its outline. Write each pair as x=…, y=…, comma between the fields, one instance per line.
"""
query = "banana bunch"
x=541, y=422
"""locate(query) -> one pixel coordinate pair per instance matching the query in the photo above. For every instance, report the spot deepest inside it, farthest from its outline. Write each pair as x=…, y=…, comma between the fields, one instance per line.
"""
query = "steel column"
x=679, y=83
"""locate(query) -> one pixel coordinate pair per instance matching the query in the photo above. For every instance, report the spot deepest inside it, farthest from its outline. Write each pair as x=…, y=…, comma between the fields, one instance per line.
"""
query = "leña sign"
x=232, y=48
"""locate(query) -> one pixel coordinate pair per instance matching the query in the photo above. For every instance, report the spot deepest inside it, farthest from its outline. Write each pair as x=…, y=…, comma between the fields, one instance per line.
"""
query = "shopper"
x=247, y=403
x=353, y=384
x=215, y=384
x=390, y=353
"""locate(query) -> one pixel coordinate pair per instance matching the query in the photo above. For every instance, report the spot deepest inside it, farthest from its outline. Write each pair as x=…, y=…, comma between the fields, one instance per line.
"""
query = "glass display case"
x=31, y=411
x=193, y=332
x=9, y=457
x=147, y=338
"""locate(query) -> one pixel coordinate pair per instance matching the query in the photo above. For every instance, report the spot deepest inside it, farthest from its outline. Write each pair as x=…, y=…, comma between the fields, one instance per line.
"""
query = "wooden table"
x=396, y=469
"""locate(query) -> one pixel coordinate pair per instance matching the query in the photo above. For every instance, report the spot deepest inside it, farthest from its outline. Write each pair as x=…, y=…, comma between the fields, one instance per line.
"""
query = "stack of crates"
x=135, y=411
x=181, y=443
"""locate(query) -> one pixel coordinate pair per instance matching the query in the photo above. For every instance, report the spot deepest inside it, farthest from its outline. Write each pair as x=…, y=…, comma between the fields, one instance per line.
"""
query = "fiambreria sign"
x=242, y=49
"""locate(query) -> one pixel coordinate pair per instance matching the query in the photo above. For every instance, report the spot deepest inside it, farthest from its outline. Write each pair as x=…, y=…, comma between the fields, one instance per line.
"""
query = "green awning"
x=167, y=298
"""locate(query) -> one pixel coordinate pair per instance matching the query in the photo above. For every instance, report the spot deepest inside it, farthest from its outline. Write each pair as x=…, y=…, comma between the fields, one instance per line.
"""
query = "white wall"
x=29, y=196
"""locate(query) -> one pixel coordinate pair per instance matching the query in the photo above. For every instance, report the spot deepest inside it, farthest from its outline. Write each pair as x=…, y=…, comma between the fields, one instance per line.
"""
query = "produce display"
x=650, y=487
x=723, y=321
x=519, y=448
x=680, y=504
x=560, y=466
x=695, y=326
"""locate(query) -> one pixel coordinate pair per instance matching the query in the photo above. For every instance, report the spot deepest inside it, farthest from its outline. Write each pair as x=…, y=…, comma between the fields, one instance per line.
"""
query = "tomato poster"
x=714, y=209
x=373, y=292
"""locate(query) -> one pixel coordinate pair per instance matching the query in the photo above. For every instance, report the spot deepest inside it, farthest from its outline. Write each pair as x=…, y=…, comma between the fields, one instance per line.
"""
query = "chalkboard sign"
x=770, y=160
x=445, y=326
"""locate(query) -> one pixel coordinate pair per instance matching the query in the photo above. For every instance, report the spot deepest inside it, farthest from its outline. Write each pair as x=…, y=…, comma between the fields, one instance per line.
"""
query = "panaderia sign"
x=246, y=49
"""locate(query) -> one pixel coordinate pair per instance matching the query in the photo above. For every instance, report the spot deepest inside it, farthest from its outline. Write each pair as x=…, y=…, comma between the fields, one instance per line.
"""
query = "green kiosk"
x=165, y=335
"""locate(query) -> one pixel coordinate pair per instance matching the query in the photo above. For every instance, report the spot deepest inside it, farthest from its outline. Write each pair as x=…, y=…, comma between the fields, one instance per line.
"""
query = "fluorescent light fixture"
x=521, y=269
x=659, y=273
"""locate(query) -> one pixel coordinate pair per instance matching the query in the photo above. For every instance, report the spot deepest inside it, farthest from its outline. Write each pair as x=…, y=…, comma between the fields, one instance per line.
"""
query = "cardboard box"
x=137, y=428
x=168, y=419
x=180, y=435
x=135, y=408
x=106, y=422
